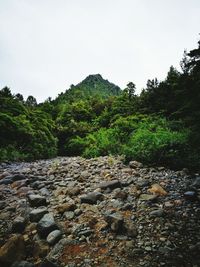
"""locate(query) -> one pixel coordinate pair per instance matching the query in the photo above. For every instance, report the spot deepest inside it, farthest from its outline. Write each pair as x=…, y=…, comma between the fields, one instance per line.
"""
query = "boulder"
x=37, y=200
x=46, y=225
x=91, y=198
x=13, y=250
x=36, y=214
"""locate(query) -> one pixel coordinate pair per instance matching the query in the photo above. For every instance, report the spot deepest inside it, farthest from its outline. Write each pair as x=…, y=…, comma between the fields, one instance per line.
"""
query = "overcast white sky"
x=47, y=45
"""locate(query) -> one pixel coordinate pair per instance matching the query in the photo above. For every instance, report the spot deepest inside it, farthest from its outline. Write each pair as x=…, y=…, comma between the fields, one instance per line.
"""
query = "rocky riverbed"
x=98, y=212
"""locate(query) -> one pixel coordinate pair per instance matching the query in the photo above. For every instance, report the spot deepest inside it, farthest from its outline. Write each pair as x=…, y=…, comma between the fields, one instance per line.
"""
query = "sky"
x=47, y=45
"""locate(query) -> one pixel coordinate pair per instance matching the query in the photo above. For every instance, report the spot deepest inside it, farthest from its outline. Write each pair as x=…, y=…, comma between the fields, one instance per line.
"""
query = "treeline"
x=95, y=117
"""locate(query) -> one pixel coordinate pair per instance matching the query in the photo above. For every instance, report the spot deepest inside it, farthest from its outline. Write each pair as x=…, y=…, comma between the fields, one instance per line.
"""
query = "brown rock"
x=40, y=248
x=13, y=250
x=156, y=189
x=65, y=207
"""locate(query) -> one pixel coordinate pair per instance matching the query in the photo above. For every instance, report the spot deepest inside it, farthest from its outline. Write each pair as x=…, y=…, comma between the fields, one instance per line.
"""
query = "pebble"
x=54, y=237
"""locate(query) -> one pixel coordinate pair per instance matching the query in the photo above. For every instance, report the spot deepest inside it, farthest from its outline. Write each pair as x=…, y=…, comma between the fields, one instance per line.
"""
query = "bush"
x=155, y=142
x=100, y=143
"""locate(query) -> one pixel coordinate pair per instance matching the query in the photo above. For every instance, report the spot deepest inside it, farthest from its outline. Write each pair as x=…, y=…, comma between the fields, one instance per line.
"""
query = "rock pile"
x=100, y=212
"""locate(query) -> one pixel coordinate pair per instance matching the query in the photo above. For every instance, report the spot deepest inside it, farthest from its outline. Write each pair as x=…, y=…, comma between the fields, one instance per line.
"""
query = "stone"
x=66, y=207
x=78, y=212
x=135, y=164
x=19, y=224
x=115, y=222
x=190, y=195
x=196, y=183
x=147, y=197
x=157, y=190
x=157, y=213
x=54, y=237
x=18, y=177
x=69, y=215
x=36, y=214
x=110, y=184
x=46, y=225
x=48, y=263
x=91, y=198
x=12, y=178
x=37, y=200
x=130, y=229
x=40, y=248
x=2, y=204
x=57, y=250
x=74, y=191
x=13, y=250
x=84, y=174
x=121, y=194
x=86, y=232
x=6, y=181
x=23, y=264
x=44, y=192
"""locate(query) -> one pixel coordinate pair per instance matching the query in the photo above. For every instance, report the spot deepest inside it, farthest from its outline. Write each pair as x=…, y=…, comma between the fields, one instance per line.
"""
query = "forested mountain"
x=93, y=85
x=96, y=117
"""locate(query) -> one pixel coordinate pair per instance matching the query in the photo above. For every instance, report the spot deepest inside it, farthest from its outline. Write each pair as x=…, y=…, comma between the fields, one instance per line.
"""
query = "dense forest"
x=95, y=117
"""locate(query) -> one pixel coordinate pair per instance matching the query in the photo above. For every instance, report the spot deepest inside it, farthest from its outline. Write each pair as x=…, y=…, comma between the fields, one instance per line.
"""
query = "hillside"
x=92, y=85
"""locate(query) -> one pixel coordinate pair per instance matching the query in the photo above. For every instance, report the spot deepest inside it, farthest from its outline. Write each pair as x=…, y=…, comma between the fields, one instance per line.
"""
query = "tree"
x=19, y=97
x=131, y=89
x=5, y=92
x=31, y=101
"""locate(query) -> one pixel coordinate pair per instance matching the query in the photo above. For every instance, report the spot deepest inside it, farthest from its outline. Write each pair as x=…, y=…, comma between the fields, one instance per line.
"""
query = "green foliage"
x=100, y=143
x=154, y=142
x=25, y=134
x=144, y=138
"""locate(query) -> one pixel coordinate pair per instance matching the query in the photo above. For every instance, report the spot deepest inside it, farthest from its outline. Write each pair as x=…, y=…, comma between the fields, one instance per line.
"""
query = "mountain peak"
x=92, y=85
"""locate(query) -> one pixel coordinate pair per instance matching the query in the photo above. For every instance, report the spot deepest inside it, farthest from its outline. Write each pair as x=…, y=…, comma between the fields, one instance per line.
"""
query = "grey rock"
x=91, y=198
x=44, y=192
x=16, y=177
x=46, y=225
x=22, y=264
x=69, y=215
x=57, y=250
x=19, y=225
x=190, y=195
x=110, y=184
x=157, y=213
x=2, y=204
x=36, y=214
x=147, y=197
x=48, y=263
x=12, y=178
x=78, y=212
x=54, y=237
x=37, y=200
x=135, y=164
x=196, y=183
x=6, y=181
